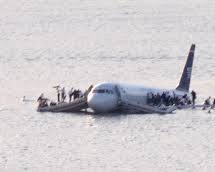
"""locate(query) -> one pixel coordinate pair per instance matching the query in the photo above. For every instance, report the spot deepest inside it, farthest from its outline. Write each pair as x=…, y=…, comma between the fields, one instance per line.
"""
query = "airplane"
x=109, y=97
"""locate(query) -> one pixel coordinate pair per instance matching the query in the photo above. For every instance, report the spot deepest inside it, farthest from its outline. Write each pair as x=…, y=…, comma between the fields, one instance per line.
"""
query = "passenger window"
x=109, y=91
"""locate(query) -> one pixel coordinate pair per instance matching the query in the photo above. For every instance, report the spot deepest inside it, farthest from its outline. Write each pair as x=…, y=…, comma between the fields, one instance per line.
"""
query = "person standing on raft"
x=63, y=94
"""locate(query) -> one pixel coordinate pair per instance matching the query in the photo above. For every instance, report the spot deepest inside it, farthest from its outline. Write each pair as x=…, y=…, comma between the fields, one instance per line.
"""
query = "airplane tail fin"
x=184, y=84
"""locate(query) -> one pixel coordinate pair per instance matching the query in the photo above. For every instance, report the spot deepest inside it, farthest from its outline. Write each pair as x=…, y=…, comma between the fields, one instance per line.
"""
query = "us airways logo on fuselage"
x=189, y=70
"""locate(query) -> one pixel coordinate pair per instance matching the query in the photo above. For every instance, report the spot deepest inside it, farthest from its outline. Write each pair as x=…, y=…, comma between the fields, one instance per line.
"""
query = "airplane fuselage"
x=106, y=97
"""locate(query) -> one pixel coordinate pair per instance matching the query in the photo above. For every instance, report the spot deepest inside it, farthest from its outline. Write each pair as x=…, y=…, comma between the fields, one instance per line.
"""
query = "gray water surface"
x=81, y=42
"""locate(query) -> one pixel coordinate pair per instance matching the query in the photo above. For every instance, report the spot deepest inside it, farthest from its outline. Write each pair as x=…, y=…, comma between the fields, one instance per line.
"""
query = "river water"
x=82, y=42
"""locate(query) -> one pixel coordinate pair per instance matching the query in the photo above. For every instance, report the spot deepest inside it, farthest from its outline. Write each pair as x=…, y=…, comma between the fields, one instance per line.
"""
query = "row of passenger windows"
x=103, y=91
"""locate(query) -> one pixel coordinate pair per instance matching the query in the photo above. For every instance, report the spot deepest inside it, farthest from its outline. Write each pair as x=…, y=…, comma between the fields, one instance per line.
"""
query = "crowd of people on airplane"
x=157, y=99
x=168, y=100
x=73, y=94
x=154, y=99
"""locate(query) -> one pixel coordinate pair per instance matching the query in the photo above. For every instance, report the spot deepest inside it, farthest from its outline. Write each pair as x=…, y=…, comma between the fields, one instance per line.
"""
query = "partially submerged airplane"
x=110, y=97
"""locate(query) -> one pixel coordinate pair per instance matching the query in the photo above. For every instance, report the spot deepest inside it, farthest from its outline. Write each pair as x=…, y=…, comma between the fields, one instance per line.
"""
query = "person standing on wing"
x=58, y=95
x=193, y=93
x=213, y=103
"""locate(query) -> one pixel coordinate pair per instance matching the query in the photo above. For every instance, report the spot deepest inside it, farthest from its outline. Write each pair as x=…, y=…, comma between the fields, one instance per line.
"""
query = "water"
x=82, y=42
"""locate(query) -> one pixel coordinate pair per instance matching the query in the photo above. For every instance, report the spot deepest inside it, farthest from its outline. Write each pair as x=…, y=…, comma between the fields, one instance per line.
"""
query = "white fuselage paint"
x=104, y=97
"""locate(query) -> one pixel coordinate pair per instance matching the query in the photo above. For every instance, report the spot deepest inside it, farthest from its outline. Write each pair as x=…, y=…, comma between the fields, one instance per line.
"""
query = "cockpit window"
x=109, y=91
x=103, y=91
x=98, y=91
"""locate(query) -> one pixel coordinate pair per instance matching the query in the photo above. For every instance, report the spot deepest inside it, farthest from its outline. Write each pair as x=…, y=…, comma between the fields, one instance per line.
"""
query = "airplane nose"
x=101, y=103
x=93, y=101
x=96, y=102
